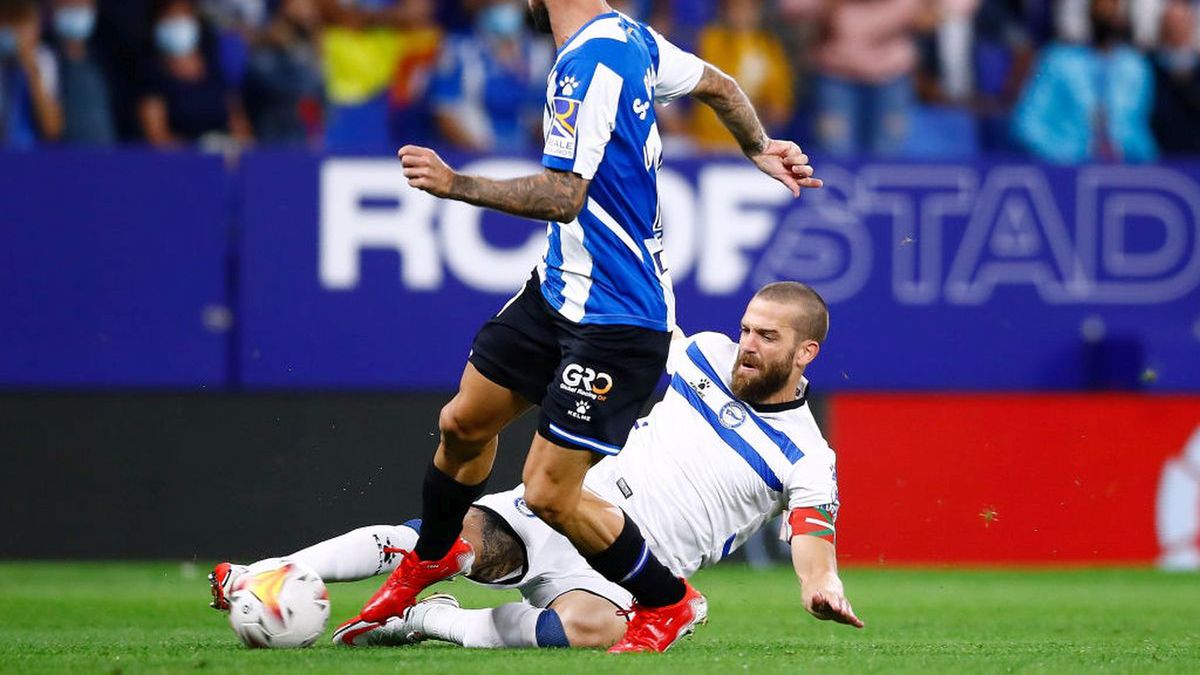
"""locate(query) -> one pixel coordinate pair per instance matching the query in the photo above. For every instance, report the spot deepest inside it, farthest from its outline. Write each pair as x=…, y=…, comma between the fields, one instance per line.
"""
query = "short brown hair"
x=812, y=314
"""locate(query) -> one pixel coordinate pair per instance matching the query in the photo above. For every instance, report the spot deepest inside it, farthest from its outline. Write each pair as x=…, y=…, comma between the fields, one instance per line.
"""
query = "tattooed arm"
x=549, y=195
x=781, y=160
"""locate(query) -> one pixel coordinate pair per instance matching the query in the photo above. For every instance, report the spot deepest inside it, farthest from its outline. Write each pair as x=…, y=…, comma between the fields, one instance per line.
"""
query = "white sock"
x=510, y=625
x=358, y=554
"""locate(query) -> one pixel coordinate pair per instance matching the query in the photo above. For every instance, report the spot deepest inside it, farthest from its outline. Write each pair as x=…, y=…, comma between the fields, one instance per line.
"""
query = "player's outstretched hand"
x=425, y=170
x=830, y=606
x=786, y=163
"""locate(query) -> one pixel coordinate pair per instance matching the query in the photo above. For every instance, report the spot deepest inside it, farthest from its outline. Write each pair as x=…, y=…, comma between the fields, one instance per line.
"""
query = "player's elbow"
x=715, y=87
x=569, y=208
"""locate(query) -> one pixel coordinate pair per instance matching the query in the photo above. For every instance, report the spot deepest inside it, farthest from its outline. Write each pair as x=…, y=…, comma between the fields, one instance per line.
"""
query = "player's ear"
x=807, y=352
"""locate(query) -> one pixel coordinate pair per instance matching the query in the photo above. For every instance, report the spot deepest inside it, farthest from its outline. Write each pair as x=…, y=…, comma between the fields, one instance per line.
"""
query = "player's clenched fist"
x=425, y=170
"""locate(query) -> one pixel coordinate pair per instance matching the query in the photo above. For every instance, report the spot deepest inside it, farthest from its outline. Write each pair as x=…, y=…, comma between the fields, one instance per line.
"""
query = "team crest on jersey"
x=560, y=141
x=523, y=508
x=732, y=415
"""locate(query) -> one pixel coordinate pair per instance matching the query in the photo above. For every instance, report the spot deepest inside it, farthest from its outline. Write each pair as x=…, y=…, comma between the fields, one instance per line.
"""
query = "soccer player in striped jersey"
x=588, y=336
x=732, y=445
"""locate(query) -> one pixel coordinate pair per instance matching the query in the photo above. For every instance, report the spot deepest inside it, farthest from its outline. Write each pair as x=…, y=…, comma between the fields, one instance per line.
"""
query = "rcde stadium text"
x=955, y=233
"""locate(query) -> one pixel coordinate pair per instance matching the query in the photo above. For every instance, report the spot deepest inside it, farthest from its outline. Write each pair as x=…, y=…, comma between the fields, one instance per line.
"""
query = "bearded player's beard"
x=764, y=382
x=541, y=16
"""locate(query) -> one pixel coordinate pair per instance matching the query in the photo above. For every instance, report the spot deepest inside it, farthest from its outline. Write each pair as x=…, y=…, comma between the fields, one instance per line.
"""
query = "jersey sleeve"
x=582, y=106
x=678, y=70
x=813, y=481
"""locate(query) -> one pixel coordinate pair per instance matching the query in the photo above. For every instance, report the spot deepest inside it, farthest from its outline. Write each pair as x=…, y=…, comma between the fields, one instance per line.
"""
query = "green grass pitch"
x=134, y=618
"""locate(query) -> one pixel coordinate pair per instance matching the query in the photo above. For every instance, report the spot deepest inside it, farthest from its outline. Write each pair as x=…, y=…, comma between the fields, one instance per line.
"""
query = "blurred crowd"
x=1063, y=80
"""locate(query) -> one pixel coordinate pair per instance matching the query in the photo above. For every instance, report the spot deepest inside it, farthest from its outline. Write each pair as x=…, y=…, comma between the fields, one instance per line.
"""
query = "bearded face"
x=756, y=379
x=541, y=15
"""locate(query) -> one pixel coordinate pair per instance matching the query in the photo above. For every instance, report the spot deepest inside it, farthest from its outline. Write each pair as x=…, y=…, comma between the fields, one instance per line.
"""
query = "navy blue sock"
x=444, y=502
x=549, y=631
x=630, y=564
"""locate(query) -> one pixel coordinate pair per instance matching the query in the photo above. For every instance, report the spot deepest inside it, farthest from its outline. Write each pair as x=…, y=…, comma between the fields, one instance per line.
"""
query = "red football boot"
x=399, y=592
x=655, y=629
x=220, y=582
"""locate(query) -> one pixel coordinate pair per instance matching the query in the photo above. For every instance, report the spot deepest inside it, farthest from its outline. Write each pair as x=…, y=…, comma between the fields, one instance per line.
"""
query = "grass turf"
x=133, y=618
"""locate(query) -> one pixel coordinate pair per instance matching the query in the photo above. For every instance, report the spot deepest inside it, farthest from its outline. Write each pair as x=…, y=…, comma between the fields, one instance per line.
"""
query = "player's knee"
x=591, y=629
x=459, y=431
x=551, y=505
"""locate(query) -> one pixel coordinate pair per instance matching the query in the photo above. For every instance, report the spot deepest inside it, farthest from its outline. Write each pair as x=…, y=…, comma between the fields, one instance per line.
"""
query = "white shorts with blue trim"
x=555, y=567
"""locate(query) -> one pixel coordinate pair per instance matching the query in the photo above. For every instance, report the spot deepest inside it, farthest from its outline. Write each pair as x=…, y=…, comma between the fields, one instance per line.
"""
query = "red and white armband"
x=814, y=521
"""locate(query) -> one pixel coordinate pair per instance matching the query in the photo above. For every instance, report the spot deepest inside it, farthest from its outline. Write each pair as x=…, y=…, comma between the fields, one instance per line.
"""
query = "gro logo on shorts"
x=577, y=378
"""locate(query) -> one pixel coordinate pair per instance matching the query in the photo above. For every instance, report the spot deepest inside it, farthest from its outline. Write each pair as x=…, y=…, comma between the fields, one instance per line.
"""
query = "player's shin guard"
x=630, y=564
x=444, y=502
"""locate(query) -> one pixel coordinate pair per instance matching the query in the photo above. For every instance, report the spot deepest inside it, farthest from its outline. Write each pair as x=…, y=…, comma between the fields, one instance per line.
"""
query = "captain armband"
x=814, y=521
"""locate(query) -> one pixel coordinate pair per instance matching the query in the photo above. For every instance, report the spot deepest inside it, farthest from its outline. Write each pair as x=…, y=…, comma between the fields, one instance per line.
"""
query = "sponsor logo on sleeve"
x=564, y=113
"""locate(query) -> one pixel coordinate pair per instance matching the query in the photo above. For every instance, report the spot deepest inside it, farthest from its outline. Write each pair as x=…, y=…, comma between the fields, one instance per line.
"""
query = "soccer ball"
x=279, y=604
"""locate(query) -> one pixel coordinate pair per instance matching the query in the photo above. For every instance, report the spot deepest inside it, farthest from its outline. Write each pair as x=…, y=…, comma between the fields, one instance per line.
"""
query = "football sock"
x=444, y=502
x=360, y=553
x=630, y=564
x=515, y=624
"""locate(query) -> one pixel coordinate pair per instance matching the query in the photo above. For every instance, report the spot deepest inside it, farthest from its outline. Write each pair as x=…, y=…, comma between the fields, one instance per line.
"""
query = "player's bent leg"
x=357, y=554
x=469, y=424
x=454, y=480
x=589, y=620
x=666, y=608
x=553, y=477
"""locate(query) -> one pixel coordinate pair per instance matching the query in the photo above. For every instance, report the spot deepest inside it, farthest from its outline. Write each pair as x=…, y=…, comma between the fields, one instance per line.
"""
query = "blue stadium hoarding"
x=114, y=270
x=987, y=276
x=940, y=277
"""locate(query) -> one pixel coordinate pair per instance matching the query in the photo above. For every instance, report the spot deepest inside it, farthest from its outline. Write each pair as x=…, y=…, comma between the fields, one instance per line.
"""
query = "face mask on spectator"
x=1178, y=60
x=75, y=23
x=8, y=42
x=177, y=36
x=502, y=20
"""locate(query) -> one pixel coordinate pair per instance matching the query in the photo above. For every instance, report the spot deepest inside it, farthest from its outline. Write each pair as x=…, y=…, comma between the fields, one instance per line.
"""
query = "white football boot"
x=397, y=631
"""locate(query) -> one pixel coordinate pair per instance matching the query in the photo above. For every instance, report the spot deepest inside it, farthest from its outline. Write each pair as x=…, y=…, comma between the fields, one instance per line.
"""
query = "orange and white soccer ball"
x=279, y=604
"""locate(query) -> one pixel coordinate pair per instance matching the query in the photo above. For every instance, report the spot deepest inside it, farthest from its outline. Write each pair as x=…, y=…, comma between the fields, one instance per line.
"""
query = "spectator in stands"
x=376, y=53
x=185, y=97
x=946, y=74
x=283, y=85
x=1176, y=62
x=29, y=108
x=488, y=86
x=1090, y=102
x=86, y=99
x=738, y=44
x=863, y=90
x=236, y=24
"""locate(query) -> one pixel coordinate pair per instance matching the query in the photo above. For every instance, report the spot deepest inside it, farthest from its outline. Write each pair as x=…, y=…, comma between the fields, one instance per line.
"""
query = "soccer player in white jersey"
x=731, y=446
x=588, y=336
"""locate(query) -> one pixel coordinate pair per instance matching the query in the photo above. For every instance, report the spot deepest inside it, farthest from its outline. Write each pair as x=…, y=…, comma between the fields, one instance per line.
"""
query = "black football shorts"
x=590, y=380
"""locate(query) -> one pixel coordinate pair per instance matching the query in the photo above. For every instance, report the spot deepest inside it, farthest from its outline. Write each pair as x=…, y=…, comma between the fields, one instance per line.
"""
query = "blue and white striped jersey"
x=701, y=446
x=605, y=267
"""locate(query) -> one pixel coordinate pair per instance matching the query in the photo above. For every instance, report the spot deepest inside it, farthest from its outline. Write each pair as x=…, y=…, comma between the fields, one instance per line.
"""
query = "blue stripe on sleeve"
x=728, y=546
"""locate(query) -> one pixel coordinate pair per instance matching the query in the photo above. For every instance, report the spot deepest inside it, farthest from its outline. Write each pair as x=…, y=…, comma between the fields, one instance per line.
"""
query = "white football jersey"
x=704, y=470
